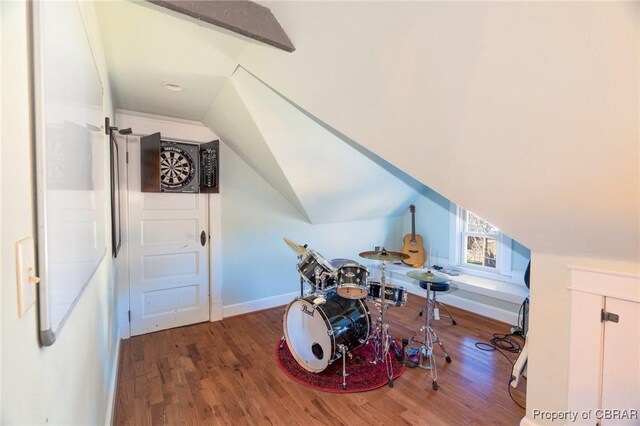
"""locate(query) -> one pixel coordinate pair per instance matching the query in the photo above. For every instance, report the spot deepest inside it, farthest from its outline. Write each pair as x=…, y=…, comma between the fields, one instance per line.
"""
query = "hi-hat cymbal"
x=384, y=255
x=301, y=250
x=428, y=276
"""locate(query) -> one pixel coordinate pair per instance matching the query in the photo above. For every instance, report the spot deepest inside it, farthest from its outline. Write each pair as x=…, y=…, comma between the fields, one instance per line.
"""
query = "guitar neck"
x=413, y=225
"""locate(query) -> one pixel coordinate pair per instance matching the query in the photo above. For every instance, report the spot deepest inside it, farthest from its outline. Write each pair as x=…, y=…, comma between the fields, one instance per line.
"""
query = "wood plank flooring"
x=225, y=373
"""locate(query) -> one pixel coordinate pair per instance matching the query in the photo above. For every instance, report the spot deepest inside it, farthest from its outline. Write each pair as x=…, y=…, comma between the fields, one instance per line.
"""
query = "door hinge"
x=608, y=316
x=126, y=157
x=129, y=315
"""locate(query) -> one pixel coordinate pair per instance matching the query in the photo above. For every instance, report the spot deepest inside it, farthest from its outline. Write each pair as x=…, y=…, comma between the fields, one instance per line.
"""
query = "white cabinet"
x=604, y=351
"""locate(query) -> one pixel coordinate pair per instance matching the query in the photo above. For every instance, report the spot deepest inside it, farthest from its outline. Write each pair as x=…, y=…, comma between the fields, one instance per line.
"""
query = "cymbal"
x=301, y=250
x=384, y=255
x=428, y=276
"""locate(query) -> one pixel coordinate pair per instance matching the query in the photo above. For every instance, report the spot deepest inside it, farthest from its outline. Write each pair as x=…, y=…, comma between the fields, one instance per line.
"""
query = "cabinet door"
x=621, y=363
x=585, y=355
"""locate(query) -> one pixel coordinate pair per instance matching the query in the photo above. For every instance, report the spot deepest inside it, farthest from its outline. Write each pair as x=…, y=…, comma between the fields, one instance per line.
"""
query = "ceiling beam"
x=240, y=16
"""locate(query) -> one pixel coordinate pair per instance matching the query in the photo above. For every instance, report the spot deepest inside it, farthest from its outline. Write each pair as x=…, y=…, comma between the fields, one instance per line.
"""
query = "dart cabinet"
x=173, y=166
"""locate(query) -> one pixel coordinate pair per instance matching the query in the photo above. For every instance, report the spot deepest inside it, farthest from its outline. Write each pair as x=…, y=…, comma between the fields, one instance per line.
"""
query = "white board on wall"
x=70, y=160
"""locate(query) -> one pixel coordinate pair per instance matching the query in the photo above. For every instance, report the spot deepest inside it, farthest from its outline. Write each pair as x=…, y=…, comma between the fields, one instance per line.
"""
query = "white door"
x=168, y=265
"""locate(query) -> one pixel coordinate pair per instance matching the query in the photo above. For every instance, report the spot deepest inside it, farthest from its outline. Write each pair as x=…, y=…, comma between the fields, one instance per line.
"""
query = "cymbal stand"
x=383, y=341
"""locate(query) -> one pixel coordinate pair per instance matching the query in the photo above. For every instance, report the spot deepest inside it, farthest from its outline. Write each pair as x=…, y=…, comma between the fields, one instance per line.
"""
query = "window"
x=479, y=242
x=477, y=246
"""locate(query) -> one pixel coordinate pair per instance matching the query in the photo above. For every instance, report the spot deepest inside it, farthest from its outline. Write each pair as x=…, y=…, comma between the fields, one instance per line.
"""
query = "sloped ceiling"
x=526, y=113
x=234, y=124
x=324, y=176
x=146, y=45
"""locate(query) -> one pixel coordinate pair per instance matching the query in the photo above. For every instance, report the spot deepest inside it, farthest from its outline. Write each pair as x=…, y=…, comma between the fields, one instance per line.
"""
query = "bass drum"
x=314, y=335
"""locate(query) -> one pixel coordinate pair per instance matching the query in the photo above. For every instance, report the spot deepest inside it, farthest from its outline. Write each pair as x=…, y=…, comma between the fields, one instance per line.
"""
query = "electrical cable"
x=511, y=395
x=502, y=343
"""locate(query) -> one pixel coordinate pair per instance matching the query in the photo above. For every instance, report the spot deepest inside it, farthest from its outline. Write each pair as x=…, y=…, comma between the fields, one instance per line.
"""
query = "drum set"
x=331, y=319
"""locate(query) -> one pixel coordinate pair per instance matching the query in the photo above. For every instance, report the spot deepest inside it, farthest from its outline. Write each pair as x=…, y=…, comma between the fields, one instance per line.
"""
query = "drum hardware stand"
x=322, y=278
x=343, y=350
x=427, y=360
x=301, y=285
x=383, y=341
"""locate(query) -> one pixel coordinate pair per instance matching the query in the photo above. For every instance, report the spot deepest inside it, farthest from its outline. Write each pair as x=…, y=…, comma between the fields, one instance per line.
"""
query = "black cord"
x=511, y=395
x=504, y=343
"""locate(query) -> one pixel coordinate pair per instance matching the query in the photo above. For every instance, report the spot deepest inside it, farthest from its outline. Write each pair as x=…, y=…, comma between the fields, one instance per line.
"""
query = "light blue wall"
x=432, y=222
x=256, y=263
x=520, y=256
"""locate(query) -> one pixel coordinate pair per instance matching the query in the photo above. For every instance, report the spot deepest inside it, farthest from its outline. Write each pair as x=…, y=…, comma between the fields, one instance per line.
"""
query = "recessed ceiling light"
x=173, y=87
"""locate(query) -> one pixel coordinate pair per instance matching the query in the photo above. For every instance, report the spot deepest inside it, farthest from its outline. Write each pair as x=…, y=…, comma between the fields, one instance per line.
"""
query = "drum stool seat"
x=435, y=288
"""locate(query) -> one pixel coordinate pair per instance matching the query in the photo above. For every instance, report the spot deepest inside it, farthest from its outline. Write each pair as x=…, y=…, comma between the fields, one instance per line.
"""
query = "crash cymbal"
x=301, y=250
x=384, y=255
x=428, y=276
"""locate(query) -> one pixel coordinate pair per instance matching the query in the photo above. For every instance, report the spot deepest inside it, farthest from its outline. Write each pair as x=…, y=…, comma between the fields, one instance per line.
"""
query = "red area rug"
x=362, y=375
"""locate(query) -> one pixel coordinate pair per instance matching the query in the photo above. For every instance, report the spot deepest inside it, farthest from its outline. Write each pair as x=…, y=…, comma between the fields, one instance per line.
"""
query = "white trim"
x=462, y=303
x=455, y=228
x=216, y=310
x=495, y=289
x=502, y=272
x=258, y=304
x=504, y=255
x=620, y=285
x=215, y=257
x=113, y=386
x=526, y=421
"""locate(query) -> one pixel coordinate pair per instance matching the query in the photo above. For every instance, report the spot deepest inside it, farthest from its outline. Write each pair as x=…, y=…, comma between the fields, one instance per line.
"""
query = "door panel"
x=621, y=363
x=169, y=271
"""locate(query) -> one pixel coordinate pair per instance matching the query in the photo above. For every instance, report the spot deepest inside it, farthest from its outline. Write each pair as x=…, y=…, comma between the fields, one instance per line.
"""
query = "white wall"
x=549, y=332
x=542, y=97
x=255, y=217
x=69, y=382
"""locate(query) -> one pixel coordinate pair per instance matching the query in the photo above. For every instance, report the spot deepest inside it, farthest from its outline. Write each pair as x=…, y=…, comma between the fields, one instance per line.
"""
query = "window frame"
x=457, y=246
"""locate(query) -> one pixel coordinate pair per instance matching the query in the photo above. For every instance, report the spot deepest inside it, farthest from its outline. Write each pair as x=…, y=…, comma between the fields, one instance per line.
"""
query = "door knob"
x=203, y=238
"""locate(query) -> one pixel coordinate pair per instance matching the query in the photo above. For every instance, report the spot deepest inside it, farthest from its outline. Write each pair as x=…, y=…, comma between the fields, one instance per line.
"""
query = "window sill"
x=501, y=290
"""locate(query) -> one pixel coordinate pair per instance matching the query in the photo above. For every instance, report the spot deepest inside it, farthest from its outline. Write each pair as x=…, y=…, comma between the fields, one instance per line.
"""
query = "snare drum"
x=312, y=263
x=315, y=333
x=394, y=295
x=352, y=279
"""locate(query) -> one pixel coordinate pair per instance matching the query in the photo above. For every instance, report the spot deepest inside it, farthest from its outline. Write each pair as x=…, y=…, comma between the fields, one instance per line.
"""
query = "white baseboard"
x=216, y=310
x=480, y=308
x=467, y=304
x=450, y=299
x=113, y=384
x=259, y=304
x=124, y=332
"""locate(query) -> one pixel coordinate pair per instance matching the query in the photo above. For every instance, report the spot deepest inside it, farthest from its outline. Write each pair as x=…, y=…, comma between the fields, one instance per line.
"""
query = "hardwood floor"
x=225, y=373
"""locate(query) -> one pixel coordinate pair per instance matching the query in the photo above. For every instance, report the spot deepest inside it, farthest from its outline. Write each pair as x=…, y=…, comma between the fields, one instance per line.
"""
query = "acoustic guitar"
x=413, y=244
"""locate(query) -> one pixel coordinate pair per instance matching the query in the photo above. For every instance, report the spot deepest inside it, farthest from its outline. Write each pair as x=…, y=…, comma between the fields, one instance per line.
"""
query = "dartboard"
x=176, y=167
